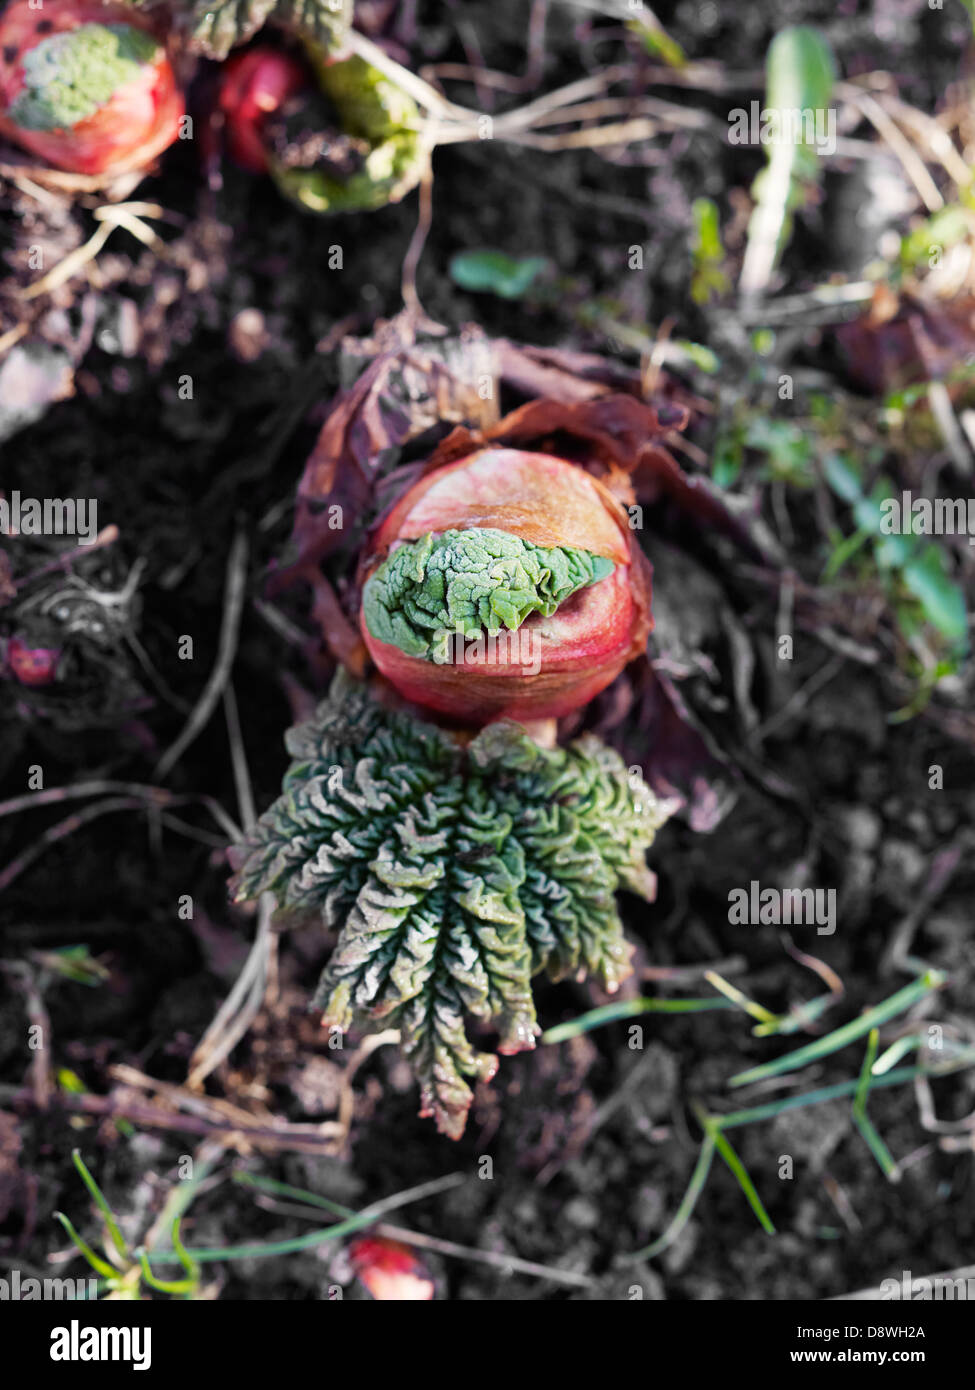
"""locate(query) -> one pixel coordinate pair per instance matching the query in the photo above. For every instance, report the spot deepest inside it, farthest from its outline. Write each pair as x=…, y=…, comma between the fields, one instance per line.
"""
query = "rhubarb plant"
x=454, y=871
x=430, y=817
x=87, y=87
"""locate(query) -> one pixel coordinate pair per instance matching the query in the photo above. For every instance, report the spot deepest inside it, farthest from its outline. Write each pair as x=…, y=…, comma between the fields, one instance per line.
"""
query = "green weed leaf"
x=492, y=272
x=800, y=72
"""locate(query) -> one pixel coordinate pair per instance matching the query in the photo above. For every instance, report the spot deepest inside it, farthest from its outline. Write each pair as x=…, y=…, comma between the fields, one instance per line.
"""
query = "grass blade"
x=629, y=1008
x=822, y=1047
x=731, y=1158
x=368, y=1217
x=99, y=1265
x=683, y=1213
x=111, y=1225
x=860, y=1118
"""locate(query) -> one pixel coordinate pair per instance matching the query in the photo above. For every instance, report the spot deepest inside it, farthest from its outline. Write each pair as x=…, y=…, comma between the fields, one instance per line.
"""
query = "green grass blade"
x=683, y=1213
x=910, y=1042
x=368, y=1217
x=172, y=1286
x=111, y=1224
x=629, y=1008
x=297, y=1194
x=822, y=1047
x=740, y=1171
x=800, y=72
x=755, y=1113
x=740, y=1000
x=862, y=1121
x=799, y=1017
x=99, y=1265
x=189, y=1264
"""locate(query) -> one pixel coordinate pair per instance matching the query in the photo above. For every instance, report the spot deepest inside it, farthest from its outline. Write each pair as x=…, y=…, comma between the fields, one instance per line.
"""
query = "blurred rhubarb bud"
x=335, y=136
x=85, y=86
x=390, y=1271
x=32, y=665
x=253, y=86
x=507, y=584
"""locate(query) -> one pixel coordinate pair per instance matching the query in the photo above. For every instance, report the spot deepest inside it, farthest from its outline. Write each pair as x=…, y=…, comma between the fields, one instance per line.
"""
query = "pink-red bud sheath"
x=125, y=123
x=574, y=653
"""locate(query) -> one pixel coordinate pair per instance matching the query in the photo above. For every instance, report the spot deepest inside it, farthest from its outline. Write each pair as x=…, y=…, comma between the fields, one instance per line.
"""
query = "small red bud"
x=253, y=85
x=32, y=665
x=390, y=1271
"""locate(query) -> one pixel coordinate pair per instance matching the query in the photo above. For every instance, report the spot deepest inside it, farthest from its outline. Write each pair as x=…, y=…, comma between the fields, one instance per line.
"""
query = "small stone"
x=247, y=335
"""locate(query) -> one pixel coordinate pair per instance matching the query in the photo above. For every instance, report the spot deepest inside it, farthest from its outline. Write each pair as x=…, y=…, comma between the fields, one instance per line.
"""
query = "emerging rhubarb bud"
x=32, y=665
x=254, y=85
x=390, y=1270
x=507, y=584
x=85, y=86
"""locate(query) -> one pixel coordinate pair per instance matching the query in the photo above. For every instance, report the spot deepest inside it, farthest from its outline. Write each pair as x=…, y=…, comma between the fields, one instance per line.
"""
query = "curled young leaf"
x=514, y=509
x=470, y=582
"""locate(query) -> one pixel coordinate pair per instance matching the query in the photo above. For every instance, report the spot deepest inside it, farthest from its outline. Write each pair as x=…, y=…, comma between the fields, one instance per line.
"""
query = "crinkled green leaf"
x=71, y=75
x=454, y=875
x=326, y=22
x=470, y=582
x=219, y=25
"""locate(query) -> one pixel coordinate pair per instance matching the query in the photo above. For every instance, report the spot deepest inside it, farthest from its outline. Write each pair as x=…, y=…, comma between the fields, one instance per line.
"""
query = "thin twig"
x=61, y=831
x=110, y=217
x=414, y=251
x=422, y=93
x=117, y=186
x=277, y=1138
x=510, y=1264
x=238, y=759
x=242, y=1004
x=233, y=608
x=913, y=164
x=12, y=337
x=155, y=796
x=938, y=140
